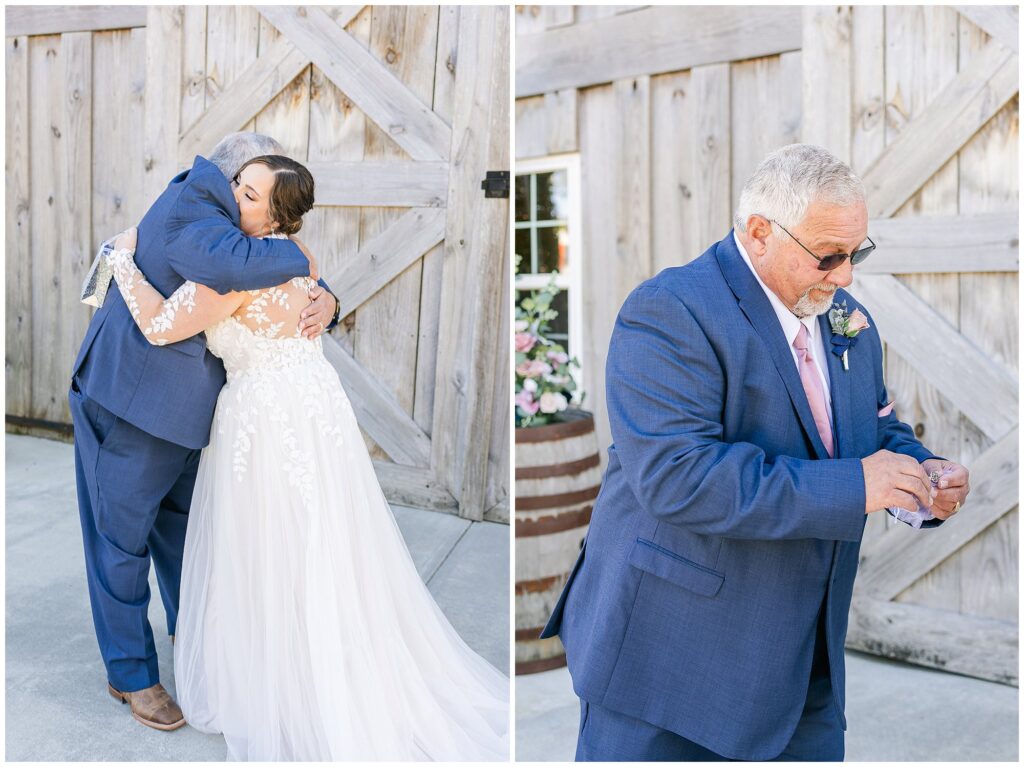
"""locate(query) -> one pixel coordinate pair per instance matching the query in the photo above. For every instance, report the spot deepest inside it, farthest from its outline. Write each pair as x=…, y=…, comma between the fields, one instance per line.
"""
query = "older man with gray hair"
x=142, y=413
x=706, y=616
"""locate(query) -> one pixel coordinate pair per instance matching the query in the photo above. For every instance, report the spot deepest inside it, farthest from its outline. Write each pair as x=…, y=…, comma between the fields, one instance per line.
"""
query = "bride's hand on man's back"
x=127, y=240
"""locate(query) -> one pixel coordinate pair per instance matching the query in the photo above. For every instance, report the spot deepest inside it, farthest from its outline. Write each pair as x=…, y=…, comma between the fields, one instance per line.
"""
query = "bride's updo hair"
x=292, y=195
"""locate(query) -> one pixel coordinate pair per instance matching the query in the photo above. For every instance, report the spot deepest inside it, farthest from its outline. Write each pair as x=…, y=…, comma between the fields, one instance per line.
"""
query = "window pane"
x=523, y=198
x=552, y=248
x=552, y=196
x=523, y=249
x=560, y=324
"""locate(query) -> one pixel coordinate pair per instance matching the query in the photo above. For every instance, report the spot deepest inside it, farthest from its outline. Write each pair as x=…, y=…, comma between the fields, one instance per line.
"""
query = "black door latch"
x=496, y=184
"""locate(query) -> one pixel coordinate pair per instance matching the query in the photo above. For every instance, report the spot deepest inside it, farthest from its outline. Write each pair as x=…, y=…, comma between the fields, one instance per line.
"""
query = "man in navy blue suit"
x=706, y=616
x=142, y=413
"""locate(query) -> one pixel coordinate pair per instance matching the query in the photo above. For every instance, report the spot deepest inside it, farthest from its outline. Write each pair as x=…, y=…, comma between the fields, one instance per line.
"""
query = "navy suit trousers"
x=607, y=736
x=134, y=492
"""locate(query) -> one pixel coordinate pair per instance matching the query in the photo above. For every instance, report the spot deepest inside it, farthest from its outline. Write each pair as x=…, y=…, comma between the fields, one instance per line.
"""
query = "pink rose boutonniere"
x=846, y=326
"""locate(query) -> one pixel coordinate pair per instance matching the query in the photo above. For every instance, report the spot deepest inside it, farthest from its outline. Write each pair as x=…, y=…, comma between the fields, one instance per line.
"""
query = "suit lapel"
x=839, y=384
x=758, y=310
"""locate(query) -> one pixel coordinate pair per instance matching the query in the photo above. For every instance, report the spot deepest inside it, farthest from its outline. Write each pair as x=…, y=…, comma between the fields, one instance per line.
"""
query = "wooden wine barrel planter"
x=558, y=476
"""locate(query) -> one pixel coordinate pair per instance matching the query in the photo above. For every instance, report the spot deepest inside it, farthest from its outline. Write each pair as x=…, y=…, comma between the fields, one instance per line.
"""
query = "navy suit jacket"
x=192, y=233
x=722, y=525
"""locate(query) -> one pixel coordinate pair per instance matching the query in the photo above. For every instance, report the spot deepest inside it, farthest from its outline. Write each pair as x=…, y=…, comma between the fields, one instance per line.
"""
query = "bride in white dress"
x=304, y=631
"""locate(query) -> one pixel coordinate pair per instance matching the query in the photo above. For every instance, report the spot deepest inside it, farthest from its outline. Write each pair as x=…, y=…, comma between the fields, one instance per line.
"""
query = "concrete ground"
x=962, y=719
x=57, y=706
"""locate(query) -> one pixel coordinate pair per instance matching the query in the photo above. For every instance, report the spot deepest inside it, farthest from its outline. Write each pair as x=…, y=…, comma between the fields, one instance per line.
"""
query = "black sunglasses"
x=828, y=263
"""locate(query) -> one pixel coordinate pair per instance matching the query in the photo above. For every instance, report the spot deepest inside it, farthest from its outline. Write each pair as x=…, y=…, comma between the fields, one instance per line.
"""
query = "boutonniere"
x=845, y=327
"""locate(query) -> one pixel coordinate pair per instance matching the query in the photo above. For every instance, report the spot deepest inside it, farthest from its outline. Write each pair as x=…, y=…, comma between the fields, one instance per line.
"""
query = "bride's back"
x=274, y=312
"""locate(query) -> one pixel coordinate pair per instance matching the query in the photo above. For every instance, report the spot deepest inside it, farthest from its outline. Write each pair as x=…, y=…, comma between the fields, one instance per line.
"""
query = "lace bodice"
x=244, y=349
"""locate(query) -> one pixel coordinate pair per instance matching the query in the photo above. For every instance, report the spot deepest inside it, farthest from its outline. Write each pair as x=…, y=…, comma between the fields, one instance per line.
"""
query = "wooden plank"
x=531, y=128
x=561, y=127
x=615, y=156
x=989, y=317
x=650, y=41
x=938, y=132
x=243, y=99
x=905, y=555
x=588, y=13
x=983, y=390
x=118, y=60
x=827, y=78
x=384, y=257
x=378, y=412
x=382, y=96
x=920, y=60
x=337, y=133
x=404, y=40
x=73, y=209
x=673, y=207
x=286, y=115
x=497, y=499
x=193, y=65
x=45, y=128
x=558, y=16
x=413, y=486
x=414, y=184
x=986, y=242
x=432, y=270
x=529, y=18
x=547, y=124
x=232, y=46
x=162, y=117
x=760, y=87
x=1000, y=21
x=18, y=271
x=475, y=241
x=944, y=639
x=712, y=152
x=867, y=102
x=56, y=19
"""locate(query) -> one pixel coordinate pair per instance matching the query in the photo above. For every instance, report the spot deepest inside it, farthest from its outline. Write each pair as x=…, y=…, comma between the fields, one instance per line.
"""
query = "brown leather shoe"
x=154, y=707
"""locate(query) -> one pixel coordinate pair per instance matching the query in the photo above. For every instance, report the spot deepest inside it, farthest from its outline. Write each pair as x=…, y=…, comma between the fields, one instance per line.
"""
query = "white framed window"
x=548, y=235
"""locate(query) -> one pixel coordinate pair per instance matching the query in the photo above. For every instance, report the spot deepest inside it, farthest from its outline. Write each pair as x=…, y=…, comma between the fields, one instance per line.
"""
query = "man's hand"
x=895, y=480
x=954, y=485
x=318, y=315
x=314, y=271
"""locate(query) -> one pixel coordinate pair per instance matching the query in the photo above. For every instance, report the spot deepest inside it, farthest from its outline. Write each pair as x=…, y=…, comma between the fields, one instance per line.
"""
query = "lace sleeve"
x=161, y=320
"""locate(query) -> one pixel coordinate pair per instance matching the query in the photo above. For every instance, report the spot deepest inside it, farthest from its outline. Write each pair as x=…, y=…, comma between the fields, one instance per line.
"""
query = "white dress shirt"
x=791, y=327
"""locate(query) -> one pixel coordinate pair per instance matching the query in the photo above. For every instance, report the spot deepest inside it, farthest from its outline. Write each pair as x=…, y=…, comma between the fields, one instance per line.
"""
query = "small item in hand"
x=97, y=281
x=916, y=518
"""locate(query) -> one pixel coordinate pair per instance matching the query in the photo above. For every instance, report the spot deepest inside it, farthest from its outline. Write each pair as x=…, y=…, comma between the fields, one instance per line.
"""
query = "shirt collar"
x=789, y=321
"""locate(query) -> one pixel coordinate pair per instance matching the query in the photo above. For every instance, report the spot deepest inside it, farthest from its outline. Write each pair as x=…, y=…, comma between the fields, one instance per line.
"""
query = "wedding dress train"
x=305, y=631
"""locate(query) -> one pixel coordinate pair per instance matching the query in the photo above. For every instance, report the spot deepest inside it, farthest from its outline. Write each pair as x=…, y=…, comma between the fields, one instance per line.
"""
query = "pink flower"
x=552, y=402
x=857, y=322
x=525, y=342
x=559, y=358
x=533, y=368
x=525, y=402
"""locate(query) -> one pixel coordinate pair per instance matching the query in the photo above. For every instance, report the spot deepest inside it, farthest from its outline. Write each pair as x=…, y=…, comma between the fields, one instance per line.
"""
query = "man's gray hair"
x=236, y=149
x=789, y=179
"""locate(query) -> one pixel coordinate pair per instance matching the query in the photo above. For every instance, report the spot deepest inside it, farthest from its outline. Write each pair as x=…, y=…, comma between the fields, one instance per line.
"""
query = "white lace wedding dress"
x=305, y=631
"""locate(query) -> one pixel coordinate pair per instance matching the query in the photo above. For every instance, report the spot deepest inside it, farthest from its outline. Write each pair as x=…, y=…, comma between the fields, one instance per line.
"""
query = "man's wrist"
x=337, y=311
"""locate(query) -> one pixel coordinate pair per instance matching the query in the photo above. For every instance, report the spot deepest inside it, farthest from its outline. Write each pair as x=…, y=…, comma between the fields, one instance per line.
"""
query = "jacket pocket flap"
x=653, y=559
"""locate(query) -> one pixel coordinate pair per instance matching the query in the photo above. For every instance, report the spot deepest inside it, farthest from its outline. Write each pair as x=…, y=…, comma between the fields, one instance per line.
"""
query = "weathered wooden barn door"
x=932, y=127
x=398, y=112
x=670, y=108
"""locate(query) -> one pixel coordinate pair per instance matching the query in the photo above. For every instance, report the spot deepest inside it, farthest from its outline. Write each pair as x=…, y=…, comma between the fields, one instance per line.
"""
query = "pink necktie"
x=812, y=388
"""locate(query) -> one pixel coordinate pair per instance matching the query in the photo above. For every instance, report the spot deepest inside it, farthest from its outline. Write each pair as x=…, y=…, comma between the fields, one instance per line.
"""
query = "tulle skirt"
x=304, y=630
